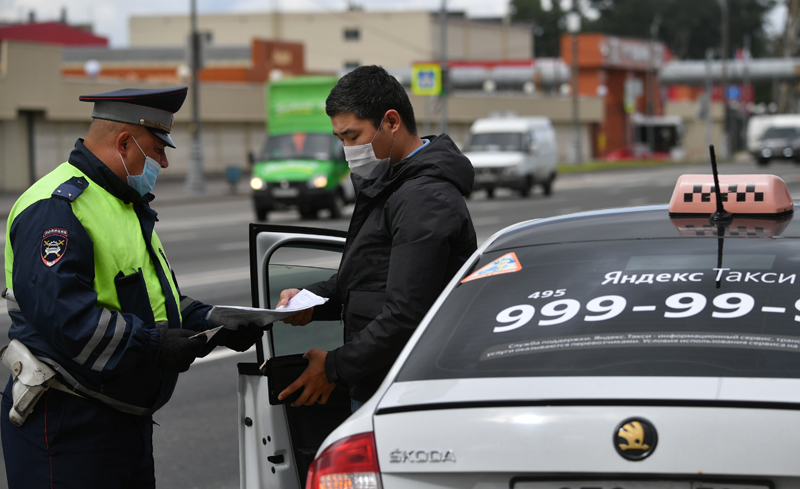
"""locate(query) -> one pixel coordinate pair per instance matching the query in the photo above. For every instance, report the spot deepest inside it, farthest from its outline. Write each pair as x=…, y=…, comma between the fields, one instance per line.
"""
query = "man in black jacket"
x=409, y=234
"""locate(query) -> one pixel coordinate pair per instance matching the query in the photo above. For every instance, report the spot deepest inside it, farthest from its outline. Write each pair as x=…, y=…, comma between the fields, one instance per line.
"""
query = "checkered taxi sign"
x=740, y=194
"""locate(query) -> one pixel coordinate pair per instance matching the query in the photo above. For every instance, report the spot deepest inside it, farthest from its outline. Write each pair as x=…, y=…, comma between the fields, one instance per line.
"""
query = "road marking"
x=485, y=221
x=177, y=237
x=241, y=245
x=222, y=354
x=214, y=277
x=643, y=308
x=202, y=222
x=568, y=210
x=779, y=310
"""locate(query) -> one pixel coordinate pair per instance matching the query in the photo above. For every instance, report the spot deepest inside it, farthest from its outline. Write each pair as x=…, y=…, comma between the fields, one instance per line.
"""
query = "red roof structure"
x=51, y=33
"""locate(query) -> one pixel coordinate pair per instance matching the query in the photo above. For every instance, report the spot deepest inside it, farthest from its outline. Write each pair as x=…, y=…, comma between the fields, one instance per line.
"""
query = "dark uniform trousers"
x=71, y=442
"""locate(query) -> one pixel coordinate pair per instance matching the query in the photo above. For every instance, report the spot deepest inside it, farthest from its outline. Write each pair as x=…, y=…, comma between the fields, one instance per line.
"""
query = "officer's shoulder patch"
x=72, y=188
x=54, y=245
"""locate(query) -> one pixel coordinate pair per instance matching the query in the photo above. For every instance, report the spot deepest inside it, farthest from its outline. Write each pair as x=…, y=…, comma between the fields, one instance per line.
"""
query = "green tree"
x=687, y=27
x=548, y=25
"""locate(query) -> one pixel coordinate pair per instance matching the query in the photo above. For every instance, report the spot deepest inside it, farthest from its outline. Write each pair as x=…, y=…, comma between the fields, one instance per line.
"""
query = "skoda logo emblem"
x=635, y=439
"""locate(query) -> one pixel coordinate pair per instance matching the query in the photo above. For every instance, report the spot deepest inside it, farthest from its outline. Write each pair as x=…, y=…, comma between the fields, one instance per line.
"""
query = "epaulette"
x=72, y=188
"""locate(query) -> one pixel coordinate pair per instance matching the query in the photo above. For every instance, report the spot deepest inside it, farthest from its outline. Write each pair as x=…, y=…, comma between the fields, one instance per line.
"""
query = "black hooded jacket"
x=409, y=234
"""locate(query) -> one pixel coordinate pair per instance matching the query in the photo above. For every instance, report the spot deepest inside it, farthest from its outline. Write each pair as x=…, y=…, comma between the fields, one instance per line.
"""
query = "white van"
x=758, y=124
x=513, y=152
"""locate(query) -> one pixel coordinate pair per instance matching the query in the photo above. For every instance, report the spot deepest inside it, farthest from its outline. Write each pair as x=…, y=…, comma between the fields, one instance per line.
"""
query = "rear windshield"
x=672, y=307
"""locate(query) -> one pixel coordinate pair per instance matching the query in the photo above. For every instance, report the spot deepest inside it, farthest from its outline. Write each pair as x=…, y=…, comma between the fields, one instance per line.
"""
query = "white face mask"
x=362, y=160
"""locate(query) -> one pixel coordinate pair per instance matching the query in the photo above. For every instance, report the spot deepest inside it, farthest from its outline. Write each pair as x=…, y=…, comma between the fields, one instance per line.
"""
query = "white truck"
x=513, y=152
x=774, y=136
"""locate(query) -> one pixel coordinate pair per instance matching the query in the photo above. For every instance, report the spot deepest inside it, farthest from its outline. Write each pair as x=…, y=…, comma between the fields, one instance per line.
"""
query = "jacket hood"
x=439, y=159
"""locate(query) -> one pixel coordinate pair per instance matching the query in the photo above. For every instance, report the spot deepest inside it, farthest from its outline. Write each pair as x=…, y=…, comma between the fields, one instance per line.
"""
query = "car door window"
x=297, y=265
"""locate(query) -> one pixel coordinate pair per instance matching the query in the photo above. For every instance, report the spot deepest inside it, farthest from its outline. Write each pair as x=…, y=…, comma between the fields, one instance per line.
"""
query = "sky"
x=110, y=17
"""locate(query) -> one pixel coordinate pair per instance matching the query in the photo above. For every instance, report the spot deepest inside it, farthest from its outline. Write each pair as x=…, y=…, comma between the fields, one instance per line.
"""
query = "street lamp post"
x=443, y=65
x=708, y=98
x=574, y=26
x=195, y=180
x=723, y=52
x=651, y=89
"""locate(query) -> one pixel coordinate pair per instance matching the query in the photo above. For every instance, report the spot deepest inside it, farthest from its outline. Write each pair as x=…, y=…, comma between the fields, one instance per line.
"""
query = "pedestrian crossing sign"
x=426, y=79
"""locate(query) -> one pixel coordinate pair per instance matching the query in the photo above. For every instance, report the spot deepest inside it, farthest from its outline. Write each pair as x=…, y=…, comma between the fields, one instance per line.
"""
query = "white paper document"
x=207, y=333
x=230, y=317
x=304, y=300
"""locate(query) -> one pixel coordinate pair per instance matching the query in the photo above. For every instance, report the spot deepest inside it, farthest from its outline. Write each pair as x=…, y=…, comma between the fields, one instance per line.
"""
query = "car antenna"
x=721, y=216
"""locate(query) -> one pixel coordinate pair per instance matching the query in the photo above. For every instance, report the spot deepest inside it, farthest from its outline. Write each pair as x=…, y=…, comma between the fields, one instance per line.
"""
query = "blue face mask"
x=145, y=182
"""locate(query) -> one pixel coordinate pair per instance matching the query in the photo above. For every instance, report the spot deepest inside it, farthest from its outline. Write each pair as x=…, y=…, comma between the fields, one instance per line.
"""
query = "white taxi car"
x=641, y=348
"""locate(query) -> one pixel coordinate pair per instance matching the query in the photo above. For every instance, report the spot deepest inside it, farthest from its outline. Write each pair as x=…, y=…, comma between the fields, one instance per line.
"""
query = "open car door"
x=277, y=442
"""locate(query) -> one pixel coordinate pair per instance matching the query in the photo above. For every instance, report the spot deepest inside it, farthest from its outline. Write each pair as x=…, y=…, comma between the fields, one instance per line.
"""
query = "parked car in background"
x=513, y=152
x=779, y=143
x=638, y=348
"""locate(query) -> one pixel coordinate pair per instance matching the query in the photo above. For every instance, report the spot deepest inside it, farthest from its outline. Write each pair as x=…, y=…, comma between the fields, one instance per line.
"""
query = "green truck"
x=302, y=163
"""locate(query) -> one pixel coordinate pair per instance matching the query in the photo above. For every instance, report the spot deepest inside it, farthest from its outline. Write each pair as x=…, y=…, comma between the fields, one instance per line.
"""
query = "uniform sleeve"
x=424, y=223
x=54, y=289
x=194, y=314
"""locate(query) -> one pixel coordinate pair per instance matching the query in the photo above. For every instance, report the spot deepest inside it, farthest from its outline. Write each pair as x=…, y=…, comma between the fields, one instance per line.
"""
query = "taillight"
x=350, y=463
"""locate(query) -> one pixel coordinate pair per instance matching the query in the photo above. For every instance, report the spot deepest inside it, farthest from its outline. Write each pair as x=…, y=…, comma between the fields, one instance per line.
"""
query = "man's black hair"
x=368, y=92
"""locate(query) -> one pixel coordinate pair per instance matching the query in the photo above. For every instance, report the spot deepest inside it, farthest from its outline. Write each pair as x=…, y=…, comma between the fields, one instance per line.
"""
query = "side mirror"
x=251, y=158
x=533, y=147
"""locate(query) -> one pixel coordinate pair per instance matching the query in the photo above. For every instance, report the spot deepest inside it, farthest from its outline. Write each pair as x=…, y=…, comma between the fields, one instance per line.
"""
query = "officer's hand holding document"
x=232, y=317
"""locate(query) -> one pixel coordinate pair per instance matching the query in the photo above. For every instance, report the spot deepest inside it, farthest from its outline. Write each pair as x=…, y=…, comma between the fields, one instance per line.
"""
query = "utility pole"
x=746, y=84
x=652, y=77
x=276, y=21
x=786, y=92
x=443, y=64
x=195, y=180
x=574, y=26
x=725, y=146
x=709, y=57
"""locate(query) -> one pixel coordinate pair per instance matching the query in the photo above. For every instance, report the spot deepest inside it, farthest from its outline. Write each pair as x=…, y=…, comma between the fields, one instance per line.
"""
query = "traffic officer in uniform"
x=99, y=329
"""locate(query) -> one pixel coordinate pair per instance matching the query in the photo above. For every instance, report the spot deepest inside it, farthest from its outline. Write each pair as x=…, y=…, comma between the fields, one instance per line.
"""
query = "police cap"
x=152, y=108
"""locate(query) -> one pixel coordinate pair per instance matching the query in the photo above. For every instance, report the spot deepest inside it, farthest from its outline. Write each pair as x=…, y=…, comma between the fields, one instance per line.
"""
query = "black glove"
x=239, y=339
x=177, y=350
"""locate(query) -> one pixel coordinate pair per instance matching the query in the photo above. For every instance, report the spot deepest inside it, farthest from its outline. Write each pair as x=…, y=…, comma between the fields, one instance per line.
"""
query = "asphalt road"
x=196, y=442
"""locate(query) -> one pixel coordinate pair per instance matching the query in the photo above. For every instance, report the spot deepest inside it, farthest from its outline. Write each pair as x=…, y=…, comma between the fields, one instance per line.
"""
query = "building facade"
x=41, y=117
x=336, y=41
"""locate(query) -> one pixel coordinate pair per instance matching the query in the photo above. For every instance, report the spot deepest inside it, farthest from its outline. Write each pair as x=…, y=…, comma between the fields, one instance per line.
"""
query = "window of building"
x=352, y=34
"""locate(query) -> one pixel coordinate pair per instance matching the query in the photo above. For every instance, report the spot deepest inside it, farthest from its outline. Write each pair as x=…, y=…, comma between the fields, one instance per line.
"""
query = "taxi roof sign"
x=741, y=194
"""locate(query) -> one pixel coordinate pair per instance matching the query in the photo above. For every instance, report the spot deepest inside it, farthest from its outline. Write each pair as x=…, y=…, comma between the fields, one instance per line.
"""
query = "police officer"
x=94, y=302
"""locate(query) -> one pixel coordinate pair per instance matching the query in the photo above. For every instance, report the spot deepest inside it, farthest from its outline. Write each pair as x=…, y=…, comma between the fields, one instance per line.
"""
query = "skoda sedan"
x=641, y=348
